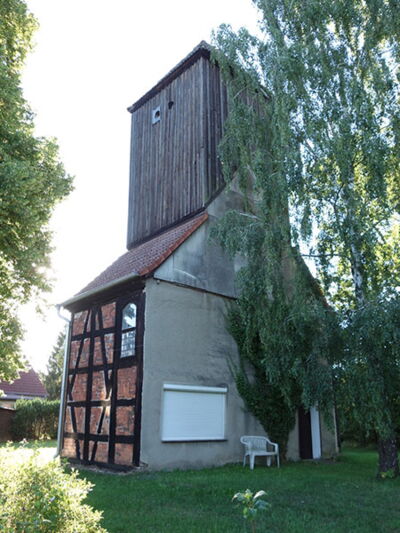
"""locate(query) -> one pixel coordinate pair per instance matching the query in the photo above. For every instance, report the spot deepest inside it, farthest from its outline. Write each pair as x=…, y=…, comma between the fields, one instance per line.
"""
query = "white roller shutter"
x=191, y=413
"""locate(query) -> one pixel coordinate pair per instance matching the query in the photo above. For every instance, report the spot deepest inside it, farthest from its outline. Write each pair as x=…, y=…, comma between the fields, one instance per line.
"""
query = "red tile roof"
x=146, y=257
x=28, y=384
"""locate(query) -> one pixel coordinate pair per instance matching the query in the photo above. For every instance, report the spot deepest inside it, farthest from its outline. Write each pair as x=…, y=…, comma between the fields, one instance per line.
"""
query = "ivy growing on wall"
x=286, y=334
x=285, y=331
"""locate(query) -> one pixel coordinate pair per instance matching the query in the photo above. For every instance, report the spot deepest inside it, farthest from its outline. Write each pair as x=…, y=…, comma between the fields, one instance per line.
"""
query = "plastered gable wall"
x=329, y=442
x=186, y=343
x=186, y=303
x=200, y=262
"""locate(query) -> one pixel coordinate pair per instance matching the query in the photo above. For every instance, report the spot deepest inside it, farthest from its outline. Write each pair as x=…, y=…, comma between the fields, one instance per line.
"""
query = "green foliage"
x=274, y=408
x=281, y=323
x=252, y=504
x=52, y=378
x=371, y=366
x=284, y=349
x=318, y=152
x=43, y=498
x=32, y=181
x=368, y=378
x=35, y=419
x=267, y=403
x=350, y=430
x=330, y=71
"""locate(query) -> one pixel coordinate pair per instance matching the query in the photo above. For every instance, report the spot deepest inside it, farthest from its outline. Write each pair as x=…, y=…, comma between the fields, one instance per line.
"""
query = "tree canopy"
x=32, y=182
x=320, y=151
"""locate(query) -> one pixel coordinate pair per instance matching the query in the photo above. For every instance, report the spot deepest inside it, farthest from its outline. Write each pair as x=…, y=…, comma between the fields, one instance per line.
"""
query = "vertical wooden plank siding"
x=174, y=162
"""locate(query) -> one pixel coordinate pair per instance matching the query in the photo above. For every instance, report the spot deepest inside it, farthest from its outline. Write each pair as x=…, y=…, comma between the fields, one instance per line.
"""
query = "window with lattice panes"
x=128, y=330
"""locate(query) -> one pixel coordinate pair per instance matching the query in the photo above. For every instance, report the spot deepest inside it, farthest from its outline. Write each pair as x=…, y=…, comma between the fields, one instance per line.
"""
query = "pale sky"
x=92, y=59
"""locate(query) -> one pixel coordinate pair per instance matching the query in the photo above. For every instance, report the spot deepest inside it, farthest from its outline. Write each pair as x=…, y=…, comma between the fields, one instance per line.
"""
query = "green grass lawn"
x=32, y=445
x=305, y=497
x=46, y=449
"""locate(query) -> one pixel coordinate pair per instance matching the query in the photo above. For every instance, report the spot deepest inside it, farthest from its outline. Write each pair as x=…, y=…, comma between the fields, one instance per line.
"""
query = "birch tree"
x=329, y=73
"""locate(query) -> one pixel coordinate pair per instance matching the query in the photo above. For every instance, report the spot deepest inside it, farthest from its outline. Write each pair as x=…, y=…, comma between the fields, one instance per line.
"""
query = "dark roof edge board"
x=201, y=50
x=93, y=292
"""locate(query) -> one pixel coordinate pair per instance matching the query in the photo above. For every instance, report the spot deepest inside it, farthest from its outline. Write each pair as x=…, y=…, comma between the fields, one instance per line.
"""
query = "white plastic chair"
x=259, y=446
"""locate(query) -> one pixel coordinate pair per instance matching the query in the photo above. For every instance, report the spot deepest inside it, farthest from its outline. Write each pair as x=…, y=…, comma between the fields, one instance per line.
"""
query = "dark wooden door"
x=305, y=438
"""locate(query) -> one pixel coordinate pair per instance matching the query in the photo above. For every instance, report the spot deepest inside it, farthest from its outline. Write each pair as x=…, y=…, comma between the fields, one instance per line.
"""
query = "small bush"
x=35, y=419
x=43, y=498
x=251, y=504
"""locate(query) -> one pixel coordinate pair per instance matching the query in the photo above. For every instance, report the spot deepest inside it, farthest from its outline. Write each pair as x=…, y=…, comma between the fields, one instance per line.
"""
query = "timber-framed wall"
x=103, y=395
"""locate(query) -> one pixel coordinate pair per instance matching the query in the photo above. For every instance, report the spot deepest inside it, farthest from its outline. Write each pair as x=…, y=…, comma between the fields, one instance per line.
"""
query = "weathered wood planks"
x=174, y=163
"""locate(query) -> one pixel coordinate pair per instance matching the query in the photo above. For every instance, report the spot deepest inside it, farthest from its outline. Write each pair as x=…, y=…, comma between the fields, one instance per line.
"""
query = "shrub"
x=252, y=505
x=35, y=419
x=43, y=498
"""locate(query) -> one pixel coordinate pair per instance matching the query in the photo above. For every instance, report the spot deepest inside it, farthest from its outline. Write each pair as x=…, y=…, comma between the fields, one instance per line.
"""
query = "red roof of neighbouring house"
x=28, y=384
x=146, y=257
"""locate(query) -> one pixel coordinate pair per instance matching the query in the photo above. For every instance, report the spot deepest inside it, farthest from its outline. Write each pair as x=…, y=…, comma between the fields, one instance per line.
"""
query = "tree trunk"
x=388, y=460
x=356, y=271
x=353, y=241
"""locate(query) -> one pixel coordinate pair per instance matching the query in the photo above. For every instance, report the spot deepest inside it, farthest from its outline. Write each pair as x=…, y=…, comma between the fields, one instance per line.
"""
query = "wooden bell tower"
x=176, y=128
